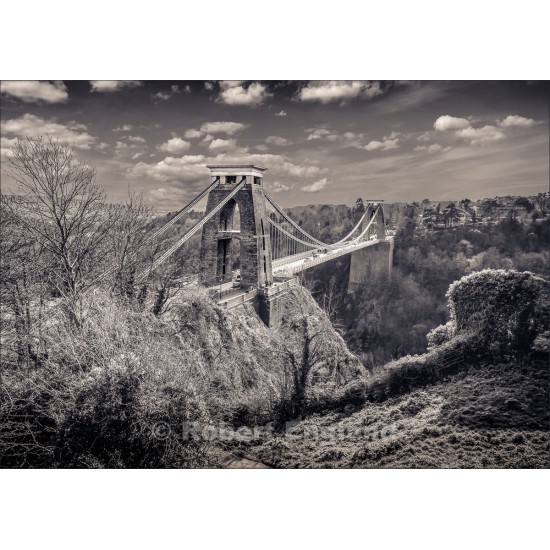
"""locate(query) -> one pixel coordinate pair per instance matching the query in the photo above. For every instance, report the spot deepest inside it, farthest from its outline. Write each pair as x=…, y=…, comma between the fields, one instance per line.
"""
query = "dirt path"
x=237, y=461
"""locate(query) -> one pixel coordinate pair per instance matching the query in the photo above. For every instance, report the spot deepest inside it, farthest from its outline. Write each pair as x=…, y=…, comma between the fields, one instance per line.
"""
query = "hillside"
x=199, y=386
x=478, y=398
x=118, y=390
x=490, y=416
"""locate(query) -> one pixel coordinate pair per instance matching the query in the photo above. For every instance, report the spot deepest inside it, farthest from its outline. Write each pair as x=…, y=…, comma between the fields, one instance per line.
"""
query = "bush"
x=441, y=334
x=116, y=390
x=506, y=308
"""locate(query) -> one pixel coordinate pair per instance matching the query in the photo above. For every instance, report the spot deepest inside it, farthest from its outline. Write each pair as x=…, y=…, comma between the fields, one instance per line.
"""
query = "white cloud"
x=192, y=134
x=515, y=120
x=326, y=91
x=382, y=145
x=188, y=168
x=235, y=93
x=261, y=147
x=174, y=89
x=277, y=187
x=433, y=148
x=5, y=146
x=275, y=163
x=209, y=86
x=281, y=113
x=229, y=128
x=123, y=148
x=123, y=128
x=297, y=170
x=29, y=125
x=316, y=186
x=277, y=140
x=348, y=138
x=317, y=133
x=209, y=128
x=113, y=85
x=191, y=169
x=447, y=122
x=175, y=145
x=480, y=136
x=163, y=95
x=34, y=91
x=136, y=139
x=426, y=136
x=222, y=145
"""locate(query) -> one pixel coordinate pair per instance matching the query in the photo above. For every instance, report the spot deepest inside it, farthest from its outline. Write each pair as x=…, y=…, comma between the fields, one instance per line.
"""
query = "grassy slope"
x=493, y=416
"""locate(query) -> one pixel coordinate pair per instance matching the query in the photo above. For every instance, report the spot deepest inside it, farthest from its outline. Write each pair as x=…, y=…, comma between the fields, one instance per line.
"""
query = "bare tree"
x=167, y=287
x=126, y=240
x=300, y=363
x=64, y=208
x=22, y=289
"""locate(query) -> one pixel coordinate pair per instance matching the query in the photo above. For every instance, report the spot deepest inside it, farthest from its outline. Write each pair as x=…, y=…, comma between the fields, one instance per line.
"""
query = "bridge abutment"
x=271, y=301
x=369, y=262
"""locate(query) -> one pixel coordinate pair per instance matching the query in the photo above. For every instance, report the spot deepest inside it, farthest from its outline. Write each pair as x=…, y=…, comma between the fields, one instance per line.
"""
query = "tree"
x=526, y=203
x=301, y=360
x=126, y=239
x=359, y=210
x=22, y=290
x=63, y=208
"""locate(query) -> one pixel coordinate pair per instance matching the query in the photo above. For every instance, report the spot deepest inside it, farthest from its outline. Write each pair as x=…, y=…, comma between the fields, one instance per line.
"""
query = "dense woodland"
x=390, y=318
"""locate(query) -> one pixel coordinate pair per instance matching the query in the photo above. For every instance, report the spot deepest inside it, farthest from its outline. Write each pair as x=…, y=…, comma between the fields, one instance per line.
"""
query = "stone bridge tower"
x=367, y=263
x=222, y=242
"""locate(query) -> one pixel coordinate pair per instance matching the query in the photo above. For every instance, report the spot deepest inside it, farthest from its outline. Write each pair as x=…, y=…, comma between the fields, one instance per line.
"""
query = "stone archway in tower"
x=229, y=252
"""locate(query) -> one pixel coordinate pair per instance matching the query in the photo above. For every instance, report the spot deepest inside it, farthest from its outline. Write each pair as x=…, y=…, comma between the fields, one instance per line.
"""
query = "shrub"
x=506, y=308
x=441, y=334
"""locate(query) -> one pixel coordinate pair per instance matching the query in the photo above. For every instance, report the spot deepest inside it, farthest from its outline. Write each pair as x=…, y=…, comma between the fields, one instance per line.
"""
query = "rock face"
x=239, y=335
x=249, y=364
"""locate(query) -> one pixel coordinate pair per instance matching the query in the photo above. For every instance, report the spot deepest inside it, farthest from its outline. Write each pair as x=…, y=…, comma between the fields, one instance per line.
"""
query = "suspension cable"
x=292, y=237
x=305, y=233
x=190, y=233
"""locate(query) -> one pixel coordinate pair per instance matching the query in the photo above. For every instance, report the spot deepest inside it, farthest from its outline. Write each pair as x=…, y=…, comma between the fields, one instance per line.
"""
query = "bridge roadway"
x=300, y=262
x=230, y=296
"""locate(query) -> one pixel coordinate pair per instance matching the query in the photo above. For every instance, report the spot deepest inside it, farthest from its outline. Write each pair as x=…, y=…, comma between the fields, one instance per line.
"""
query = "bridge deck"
x=301, y=262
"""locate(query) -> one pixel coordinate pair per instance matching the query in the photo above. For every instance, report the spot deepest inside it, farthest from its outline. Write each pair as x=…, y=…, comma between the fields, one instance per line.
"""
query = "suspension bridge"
x=271, y=247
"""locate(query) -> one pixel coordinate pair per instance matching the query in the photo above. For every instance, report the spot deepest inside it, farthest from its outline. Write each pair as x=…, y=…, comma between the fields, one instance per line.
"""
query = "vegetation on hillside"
x=117, y=390
x=478, y=398
x=391, y=318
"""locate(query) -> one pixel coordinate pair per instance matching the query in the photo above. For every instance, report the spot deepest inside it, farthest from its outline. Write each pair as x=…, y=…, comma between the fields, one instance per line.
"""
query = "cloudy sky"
x=321, y=141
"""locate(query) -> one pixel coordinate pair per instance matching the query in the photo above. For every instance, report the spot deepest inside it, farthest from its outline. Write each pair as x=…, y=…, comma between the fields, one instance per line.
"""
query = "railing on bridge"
x=240, y=299
x=268, y=292
x=288, y=270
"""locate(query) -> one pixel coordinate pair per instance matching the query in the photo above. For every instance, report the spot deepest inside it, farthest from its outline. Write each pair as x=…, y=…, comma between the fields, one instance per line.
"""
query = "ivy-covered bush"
x=441, y=334
x=506, y=308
